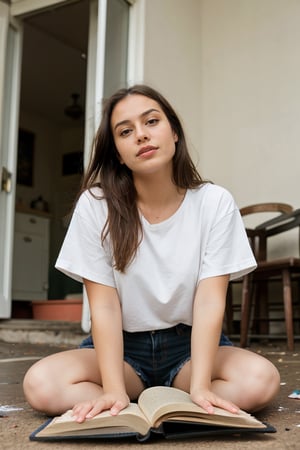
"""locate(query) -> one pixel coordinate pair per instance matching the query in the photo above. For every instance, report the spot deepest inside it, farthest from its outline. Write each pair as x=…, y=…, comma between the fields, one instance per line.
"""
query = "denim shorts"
x=157, y=356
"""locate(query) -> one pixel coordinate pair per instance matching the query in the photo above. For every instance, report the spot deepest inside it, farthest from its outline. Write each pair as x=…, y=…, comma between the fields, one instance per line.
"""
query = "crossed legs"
x=58, y=382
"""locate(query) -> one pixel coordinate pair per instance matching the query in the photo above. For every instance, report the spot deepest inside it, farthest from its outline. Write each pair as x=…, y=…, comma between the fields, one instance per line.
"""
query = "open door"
x=109, y=64
x=10, y=64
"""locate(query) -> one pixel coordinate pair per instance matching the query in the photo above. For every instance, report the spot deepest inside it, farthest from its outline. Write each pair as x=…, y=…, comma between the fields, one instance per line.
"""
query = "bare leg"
x=58, y=382
x=240, y=376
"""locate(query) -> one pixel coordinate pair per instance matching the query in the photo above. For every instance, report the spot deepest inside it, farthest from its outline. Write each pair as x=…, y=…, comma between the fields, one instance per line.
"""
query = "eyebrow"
x=145, y=113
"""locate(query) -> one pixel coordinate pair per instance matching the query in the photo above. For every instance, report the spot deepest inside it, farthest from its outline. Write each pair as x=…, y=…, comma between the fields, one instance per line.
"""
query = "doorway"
x=50, y=148
x=51, y=142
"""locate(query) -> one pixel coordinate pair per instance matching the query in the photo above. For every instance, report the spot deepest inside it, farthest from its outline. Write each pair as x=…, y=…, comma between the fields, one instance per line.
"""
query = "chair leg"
x=229, y=310
x=245, y=311
x=264, y=309
x=288, y=308
x=261, y=311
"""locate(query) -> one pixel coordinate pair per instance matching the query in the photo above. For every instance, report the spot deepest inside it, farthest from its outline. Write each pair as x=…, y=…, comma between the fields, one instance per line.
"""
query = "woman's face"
x=143, y=135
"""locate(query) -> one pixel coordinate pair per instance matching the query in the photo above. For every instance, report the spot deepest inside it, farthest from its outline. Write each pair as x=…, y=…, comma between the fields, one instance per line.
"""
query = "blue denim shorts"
x=157, y=356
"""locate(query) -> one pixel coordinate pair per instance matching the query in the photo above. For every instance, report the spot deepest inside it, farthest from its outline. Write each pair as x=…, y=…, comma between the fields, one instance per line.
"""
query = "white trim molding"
x=136, y=42
x=23, y=7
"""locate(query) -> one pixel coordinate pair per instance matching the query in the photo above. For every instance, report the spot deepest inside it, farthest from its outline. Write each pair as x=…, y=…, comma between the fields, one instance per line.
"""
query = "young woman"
x=155, y=247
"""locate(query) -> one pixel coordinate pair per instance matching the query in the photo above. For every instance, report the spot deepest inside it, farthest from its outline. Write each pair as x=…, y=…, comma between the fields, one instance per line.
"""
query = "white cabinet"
x=31, y=257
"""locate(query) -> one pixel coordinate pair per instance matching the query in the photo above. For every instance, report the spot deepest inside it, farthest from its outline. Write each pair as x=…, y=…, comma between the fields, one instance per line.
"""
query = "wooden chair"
x=259, y=246
x=255, y=285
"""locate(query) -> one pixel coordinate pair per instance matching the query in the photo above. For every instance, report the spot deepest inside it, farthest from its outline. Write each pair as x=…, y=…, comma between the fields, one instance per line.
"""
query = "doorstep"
x=41, y=331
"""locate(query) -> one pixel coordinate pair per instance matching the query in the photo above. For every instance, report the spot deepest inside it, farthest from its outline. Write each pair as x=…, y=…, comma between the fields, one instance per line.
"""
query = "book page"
x=161, y=403
x=131, y=418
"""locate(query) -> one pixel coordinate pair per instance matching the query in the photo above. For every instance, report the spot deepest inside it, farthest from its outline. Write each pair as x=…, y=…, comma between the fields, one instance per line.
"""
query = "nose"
x=142, y=139
x=142, y=134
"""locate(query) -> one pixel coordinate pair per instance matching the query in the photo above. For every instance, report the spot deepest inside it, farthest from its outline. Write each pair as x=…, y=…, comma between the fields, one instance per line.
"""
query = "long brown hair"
x=115, y=179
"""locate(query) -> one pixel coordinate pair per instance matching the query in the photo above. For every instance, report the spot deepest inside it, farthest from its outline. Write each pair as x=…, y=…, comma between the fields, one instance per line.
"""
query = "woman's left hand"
x=207, y=400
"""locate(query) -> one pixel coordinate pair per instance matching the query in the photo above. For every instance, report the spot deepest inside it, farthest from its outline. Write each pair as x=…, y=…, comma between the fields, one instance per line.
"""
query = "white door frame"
x=136, y=42
x=94, y=96
x=10, y=75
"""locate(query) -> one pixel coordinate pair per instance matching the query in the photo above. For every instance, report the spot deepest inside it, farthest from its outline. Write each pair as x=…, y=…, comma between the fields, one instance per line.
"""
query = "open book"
x=165, y=410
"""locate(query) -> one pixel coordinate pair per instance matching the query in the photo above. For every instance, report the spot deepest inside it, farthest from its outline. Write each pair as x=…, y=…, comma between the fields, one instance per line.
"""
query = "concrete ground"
x=20, y=347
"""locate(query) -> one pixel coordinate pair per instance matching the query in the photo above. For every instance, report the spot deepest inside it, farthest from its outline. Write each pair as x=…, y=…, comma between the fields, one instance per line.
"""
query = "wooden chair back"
x=257, y=237
x=283, y=208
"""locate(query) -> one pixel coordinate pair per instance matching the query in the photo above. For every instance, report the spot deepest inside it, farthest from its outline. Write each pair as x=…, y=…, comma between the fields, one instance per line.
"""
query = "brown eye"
x=125, y=132
x=152, y=121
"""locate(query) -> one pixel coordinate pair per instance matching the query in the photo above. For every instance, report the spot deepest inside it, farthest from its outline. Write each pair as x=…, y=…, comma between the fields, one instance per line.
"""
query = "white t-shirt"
x=204, y=238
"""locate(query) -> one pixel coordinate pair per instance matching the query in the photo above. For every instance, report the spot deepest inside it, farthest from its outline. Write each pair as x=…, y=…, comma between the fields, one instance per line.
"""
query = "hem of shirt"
x=234, y=272
x=81, y=275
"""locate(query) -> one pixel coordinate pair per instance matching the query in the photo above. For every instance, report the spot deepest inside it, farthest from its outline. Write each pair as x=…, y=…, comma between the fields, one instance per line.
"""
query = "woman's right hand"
x=112, y=401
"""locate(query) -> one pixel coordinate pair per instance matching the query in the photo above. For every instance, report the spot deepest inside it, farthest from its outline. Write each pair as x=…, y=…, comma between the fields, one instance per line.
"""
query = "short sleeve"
x=227, y=249
x=82, y=255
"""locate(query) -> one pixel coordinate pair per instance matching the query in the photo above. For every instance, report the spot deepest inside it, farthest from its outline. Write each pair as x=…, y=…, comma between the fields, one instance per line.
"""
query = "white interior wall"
x=230, y=68
x=172, y=60
x=250, y=100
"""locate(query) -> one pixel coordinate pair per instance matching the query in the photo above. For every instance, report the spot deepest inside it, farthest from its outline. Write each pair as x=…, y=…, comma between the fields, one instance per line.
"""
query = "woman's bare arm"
x=106, y=321
x=209, y=306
